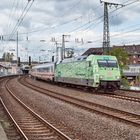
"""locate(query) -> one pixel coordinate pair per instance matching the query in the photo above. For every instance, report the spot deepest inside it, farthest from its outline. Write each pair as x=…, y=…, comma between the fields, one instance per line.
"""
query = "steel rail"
x=55, y=130
x=124, y=97
x=120, y=115
x=130, y=90
x=13, y=120
x=115, y=95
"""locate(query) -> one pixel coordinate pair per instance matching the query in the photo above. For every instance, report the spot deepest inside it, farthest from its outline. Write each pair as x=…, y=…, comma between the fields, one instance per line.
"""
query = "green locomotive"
x=97, y=71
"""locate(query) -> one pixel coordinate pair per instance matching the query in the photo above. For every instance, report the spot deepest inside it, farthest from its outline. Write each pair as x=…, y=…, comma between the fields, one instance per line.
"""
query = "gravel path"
x=88, y=125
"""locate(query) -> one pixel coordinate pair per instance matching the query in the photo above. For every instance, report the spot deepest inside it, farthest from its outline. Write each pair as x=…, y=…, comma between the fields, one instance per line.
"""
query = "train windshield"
x=102, y=63
x=107, y=63
x=112, y=64
x=26, y=67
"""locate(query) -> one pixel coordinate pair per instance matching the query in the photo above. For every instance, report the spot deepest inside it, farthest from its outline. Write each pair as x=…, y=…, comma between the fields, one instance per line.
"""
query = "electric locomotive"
x=96, y=71
x=25, y=69
x=100, y=72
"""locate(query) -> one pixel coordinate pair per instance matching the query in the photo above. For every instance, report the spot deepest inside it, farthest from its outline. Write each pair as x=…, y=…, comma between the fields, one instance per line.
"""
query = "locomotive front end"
x=109, y=73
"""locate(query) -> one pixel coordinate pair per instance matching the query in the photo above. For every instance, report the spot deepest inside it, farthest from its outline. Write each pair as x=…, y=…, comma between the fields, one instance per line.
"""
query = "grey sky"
x=78, y=18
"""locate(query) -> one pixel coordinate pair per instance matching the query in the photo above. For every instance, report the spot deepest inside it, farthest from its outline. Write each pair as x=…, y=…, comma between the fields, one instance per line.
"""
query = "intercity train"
x=25, y=69
x=94, y=71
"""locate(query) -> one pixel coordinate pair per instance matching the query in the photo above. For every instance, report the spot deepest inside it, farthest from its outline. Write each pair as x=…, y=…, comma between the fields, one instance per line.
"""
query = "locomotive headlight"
x=101, y=76
x=117, y=77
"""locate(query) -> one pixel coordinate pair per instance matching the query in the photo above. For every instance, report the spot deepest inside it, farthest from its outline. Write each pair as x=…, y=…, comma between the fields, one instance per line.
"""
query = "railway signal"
x=29, y=60
x=18, y=62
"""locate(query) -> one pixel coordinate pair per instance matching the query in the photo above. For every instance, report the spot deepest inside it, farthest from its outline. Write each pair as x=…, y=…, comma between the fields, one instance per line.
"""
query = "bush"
x=125, y=83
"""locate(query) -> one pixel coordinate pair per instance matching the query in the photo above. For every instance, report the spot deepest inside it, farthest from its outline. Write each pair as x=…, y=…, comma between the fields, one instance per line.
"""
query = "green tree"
x=8, y=57
x=122, y=56
x=138, y=79
x=123, y=60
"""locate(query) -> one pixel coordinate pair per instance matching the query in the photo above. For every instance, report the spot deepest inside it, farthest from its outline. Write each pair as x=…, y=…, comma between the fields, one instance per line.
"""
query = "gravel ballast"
x=125, y=105
x=89, y=126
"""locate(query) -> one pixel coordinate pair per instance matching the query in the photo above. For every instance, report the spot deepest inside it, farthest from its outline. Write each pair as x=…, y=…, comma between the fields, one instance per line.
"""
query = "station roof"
x=131, y=49
x=131, y=74
x=96, y=51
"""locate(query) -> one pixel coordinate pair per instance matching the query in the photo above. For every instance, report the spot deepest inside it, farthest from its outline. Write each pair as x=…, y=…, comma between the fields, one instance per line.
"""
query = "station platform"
x=2, y=133
x=135, y=88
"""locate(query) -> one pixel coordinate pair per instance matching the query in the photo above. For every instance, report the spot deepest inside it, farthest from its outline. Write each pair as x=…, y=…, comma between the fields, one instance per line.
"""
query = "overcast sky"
x=82, y=20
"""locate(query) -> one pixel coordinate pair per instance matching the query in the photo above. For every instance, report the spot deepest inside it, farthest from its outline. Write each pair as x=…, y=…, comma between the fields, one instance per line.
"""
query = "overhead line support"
x=106, y=35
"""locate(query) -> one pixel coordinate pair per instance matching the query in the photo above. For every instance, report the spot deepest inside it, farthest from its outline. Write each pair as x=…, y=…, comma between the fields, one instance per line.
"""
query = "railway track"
x=131, y=90
x=13, y=131
x=9, y=125
x=31, y=125
x=122, y=97
x=120, y=115
x=112, y=95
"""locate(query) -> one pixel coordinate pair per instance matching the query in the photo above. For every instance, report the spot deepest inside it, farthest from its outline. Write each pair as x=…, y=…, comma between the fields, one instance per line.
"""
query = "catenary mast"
x=106, y=35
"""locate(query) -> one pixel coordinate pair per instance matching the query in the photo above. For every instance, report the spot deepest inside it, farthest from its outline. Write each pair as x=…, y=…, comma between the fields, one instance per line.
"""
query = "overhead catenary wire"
x=48, y=28
x=13, y=13
x=98, y=18
x=10, y=15
x=24, y=15
x=126, y=4
x=21, y=18
x=98, y=40
x=84, y=28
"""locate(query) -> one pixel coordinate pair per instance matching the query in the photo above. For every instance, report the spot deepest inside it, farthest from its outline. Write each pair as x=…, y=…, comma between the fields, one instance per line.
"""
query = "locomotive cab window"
x=108, y=63
x=112, y=64
x=102, y=63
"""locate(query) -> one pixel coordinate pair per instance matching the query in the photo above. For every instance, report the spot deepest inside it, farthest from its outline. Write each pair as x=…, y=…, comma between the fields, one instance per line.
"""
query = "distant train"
x=96, y=71
x=25, y=69
x=43, y=71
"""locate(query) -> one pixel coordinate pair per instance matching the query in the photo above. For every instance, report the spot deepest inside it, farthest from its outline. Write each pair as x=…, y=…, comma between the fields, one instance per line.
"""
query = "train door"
x=96, y=76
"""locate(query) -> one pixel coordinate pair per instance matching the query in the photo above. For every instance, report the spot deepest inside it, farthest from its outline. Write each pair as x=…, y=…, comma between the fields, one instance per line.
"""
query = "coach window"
x=43, y=69
x=48, y=69
x=133, y=69
x=51, y=69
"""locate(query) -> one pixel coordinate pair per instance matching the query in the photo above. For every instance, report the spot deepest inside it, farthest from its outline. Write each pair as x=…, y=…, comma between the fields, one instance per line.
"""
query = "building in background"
x=133, y=51
x=133, y=71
